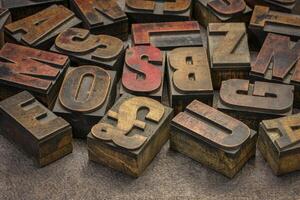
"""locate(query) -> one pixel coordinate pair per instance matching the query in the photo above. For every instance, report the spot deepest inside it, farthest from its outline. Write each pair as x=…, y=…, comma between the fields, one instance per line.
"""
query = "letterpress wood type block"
x=289, y=6
x=102, y=16
x=265, y=21
x=167, y=35
x=228, y=51
x=130, y=134
x=216, y=11
x=5, y=18
x=24, y=8
x=279, y=143
x=189, y=77
x=39, y=30
x=143, y=72
x=24, y=68
x=252, y=103
x=35, y=129
x=158, y=11
x=278, y=61
x=213, y=138
x=86, y=95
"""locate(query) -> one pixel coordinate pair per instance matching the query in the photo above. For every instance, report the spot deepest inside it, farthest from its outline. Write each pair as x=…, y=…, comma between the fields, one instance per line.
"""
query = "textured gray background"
x=170, y=176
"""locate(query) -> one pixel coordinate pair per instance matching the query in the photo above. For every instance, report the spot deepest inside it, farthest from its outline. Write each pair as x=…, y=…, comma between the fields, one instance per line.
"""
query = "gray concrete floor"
x=170, y=176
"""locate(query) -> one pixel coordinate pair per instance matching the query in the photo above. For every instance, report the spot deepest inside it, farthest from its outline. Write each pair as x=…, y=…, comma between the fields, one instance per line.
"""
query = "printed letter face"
x=127, y=120
x=227, y=7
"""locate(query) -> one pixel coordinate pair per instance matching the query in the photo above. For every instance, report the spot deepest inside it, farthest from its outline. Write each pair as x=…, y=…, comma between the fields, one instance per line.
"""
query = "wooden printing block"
x=39, y=30
x=279, y=143
x=167, y=35
x=278, y=61
x=216, y=11
x=24, y=8
x=85, y=96
x=233, y=61
x=189, y=77
x=102, y=16
x=252, y=103
x=35, y=129
x=130, y=135
x=265, y=21
x=289, y=6
x=158, y=11
x=213, y=138
x=5, y=18
x=39, y=72
x=84, y=48
x=143, y=72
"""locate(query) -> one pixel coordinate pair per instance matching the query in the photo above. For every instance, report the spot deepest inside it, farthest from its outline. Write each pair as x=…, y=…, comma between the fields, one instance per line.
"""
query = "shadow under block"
x=189, y=77
x=216, y=11
x=278, y=61
x=167, y=35
x=84, y=48
x=252, y=103
x=228, y=51
x=143, y=72
x=102, y=16
x=130, y=135
x=5, y=18
x=40, y=29
x=39, y=72
x=24, y=8
x=279, y=144
x=86, y=94
x=213, y=138
x=143, y=11
x=289, y=6
x=35, y=129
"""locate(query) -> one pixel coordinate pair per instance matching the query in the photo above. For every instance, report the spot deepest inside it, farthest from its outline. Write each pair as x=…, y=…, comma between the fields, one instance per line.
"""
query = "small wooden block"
x=252, y=103
x=167, y=35
x=265, y=21
x=39, y=30
x=232, y=61
x=39, y=72
x=85, y=96
x=144, y=11
x=24, y=8
x=5, y=18
x=84, y=48
x=35, y=129
x=189, y=77
x=289, y=6
x=279, y=143
x=130, y=135
x=278, y=61
x=143, y=72
x=216, y=11
x=102, y=16
x=212, y=138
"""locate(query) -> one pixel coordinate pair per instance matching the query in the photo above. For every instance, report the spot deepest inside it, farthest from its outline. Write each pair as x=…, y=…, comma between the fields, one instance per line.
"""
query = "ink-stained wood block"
x=217, y=11
x=167, y=35
x=86, y=94
x=39, y=72
x=213, y=138
x=233, y=61
x=84, y=48
x=5, y=18
x=189, y=77
x=35, y=129
x=252, y=103
x=40, y=29
x=130, y=134
x=289, y=6
x=144, y=11
x=143, y=72
x=265, y=21
x=278, y=61
x=24, y=8
x=102, y=16
x=279, y=143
